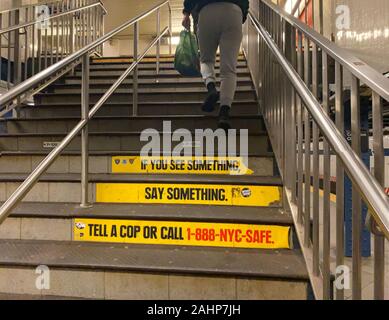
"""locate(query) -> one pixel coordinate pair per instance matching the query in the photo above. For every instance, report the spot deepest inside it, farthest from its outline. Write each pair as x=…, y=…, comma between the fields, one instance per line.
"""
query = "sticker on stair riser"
x=180, y=165
x=182, y=233
x=222, y=195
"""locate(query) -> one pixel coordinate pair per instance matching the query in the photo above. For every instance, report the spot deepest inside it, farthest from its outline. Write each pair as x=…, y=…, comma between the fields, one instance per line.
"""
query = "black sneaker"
x=224, y=118
x=211, y=99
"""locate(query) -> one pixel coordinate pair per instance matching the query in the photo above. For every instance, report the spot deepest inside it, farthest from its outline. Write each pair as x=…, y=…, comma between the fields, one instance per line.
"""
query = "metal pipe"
x=45, y=74
x=379, y=172
x=85, y=133
x=33, y=178
x=372, y=78
x=159, y=42
x=367, y=185
x=62, y=14
x=135, y=75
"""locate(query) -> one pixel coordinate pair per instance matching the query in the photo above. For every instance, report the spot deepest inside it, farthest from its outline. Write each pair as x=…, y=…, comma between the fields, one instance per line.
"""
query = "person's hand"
x=186, y=22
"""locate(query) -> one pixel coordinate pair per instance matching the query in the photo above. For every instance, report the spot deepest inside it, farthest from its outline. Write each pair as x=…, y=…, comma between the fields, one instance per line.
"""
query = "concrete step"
x=122, y=124
x=148, y=73
x=73, y=109
x=56, y=221
x=15, y=162
x=147, y=66
x=173, y=82
x=112, y=141
x=66, y=187
x=147, y=59
x=144, y=95
x=151, y=272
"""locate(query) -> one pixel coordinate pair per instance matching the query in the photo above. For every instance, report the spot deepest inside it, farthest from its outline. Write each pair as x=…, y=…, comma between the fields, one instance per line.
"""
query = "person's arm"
x=245, y=9
x=188, y=6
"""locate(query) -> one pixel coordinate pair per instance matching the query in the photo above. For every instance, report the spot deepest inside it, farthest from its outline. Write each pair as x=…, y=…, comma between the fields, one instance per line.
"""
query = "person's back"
x=219, y=25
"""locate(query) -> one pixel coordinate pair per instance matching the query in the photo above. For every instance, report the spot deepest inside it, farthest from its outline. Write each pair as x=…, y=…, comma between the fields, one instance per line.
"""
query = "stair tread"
x=148, y=91
x=106, y=153
x=284, y=264
x=146, y=117
x=164, y=212
x=104, y=133
x=150, y=178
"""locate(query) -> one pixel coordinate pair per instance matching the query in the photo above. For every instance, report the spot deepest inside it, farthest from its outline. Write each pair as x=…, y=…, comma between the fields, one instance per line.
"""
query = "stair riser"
x=149, y=66
x=74, y=96
x=149, y=73
x=145, y=85
x=183, y=81
x=132, y=285
x=256, y=144
x=46, y=111
x=123, y=125
x=263, y=166
x=63, y=229
x=64, y=192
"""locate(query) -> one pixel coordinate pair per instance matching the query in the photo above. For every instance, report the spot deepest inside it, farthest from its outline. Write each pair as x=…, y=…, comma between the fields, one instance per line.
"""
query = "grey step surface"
x=174, y=82
x=110, y=141
x=200, y=213
x=147, y=73
x=144, y=95
x=121, y=124
x=15, y=162
x=151, y=178
x=66, y=108
x=276, y=264
x=148, y=66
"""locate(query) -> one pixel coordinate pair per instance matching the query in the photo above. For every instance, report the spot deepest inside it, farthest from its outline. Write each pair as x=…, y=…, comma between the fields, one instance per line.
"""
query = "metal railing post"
x=135, y=76
x=85, y=132
x=170, y=29
x=159, y=41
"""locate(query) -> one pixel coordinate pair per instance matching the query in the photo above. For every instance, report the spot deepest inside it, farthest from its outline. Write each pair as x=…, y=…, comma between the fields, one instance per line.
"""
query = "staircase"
x=167, y=248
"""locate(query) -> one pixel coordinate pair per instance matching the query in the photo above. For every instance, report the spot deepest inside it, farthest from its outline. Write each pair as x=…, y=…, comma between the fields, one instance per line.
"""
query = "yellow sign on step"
x=182, y=233
x=223, y=195
x=180, y=165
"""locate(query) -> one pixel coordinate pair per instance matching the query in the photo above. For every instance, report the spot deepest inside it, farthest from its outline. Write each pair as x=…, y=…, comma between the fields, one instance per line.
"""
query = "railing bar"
x=327, y=189
x=315, y=170
x=357, y=67
x=307, y=147
x=300, y=133
x=62, y=14
x=379, y=172
x=33, y=178
x=27, y=85
x=293, y=108
x=339, y=118
x=356, y=199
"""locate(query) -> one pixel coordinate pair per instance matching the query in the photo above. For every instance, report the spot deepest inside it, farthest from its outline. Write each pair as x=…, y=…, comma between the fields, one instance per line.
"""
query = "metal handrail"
x=33, y=178
x=52, y=70
x=52, y=17
x=29, y=6
x=285, y=65
x=37, y=48
x=356, y=66
x=359, y=174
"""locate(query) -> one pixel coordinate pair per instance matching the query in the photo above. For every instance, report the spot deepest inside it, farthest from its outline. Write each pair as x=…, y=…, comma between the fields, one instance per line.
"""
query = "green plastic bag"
x=187, y=61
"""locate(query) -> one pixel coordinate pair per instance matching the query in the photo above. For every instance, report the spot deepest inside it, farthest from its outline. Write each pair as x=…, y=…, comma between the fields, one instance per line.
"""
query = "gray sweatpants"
x=220, y=24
